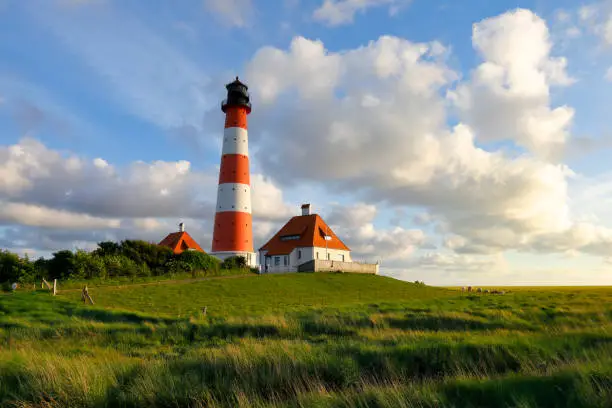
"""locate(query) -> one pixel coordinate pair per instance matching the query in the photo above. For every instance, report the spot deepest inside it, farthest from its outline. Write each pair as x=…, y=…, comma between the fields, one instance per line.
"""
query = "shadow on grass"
x=570, y=389
x=446, y=323
x=114, y=316
x=435, y=361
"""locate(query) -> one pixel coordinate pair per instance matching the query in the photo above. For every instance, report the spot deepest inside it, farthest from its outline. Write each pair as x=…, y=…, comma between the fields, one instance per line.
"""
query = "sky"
x=455, y=142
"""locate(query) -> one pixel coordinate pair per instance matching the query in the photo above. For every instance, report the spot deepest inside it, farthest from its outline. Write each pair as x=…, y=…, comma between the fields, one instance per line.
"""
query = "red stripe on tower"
x=233, y=230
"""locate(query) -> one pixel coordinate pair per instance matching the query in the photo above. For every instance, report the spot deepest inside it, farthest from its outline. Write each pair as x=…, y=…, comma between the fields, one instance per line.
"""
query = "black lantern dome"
x=237, y=95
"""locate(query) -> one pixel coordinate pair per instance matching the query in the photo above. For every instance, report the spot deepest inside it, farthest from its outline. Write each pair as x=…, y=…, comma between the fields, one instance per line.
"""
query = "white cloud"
x=608, y=75
x=457, y=262
x=267, y=200
x=397, y=148
x=355, y=226
x=39, y=216
x=340, y=12
x=75, y=199
x=33, y=174
x=236, y=13
x=508, y=96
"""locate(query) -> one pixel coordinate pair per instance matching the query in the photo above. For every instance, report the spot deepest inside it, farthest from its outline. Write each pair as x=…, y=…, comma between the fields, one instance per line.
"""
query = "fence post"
x=85, y=296
x=54, y=286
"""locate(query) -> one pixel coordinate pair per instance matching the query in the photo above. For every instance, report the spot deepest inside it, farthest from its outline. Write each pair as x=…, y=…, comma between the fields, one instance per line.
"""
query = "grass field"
x=311, y=340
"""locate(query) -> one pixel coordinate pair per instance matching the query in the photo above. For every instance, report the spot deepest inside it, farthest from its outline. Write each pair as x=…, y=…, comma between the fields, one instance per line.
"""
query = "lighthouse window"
x=276, y=260
x=286, y=260
x=299, y=254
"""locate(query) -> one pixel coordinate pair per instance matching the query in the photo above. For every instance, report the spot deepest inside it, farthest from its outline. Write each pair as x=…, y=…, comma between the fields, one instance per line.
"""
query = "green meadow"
x=305, y=340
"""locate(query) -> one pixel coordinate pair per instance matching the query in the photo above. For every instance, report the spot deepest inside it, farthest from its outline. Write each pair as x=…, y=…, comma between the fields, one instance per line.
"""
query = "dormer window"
x=289, y=237
x=324, y=235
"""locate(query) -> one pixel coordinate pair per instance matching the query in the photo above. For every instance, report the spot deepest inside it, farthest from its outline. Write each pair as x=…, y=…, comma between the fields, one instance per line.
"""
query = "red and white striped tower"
x=233, y=230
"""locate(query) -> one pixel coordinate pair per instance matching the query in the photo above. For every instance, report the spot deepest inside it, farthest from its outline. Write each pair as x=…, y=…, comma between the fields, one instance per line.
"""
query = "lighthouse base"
x=251, y=257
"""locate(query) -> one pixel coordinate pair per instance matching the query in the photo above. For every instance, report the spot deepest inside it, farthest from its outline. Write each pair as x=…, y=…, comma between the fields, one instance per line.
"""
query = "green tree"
x=107, y=248
x=154, y=256
x=88, y=265
x=61, y=265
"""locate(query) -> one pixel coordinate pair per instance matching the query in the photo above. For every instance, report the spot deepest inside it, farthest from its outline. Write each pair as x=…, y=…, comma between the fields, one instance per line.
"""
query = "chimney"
x=305, y=209
x=182, y=227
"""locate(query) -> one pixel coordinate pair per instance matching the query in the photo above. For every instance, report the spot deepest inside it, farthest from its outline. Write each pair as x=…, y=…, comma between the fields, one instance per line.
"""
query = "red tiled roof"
x=309, y=230
x=179, y=242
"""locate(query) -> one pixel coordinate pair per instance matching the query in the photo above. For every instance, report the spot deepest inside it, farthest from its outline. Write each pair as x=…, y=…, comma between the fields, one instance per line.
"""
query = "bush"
x=88, y=265
x=130, y=258
x=199, y=261
x=13, y=268
x=234, y=262
x=142, y=252
x=121, y=265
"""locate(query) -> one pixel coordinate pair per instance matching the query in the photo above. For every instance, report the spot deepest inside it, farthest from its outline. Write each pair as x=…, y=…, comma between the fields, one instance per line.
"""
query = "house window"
x=289, y=237
x=276, y=260
x=286, y=260
x=328, y=256
x=299, y=254
x=342, y=257
x=317, y=255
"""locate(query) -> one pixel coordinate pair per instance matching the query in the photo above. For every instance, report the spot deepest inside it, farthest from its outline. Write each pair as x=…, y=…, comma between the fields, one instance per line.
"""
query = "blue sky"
x=138, y=84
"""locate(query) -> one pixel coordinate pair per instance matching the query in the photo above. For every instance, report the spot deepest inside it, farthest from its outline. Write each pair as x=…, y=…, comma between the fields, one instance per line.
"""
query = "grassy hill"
x=311, y=340
x=260, y=294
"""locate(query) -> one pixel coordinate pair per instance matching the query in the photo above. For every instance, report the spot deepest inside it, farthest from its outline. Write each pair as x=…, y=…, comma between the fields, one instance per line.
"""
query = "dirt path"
x=164, y=282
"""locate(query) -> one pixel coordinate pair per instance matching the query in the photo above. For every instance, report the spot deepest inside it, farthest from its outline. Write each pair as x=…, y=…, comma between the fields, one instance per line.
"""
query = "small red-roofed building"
x=180, y=241
x=307, y=244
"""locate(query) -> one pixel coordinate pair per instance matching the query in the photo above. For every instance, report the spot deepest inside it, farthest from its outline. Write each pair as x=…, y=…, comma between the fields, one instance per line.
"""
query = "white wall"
x=307, y=254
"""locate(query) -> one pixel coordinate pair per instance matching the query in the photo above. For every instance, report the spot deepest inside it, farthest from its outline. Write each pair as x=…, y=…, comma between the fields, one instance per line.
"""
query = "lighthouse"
x=233, y=229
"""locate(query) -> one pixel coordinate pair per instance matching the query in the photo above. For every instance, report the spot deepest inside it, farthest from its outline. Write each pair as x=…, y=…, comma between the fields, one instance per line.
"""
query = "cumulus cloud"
x=32, y=173
x=39, y=216
x=372, y=122
x=451, y=262
x=72, y=198
x=340, y=12
x=267, y=200
x=355, y=225
x=508, y=96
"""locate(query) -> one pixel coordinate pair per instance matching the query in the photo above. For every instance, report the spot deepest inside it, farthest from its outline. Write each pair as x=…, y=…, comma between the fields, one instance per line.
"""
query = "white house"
x=303, y=239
